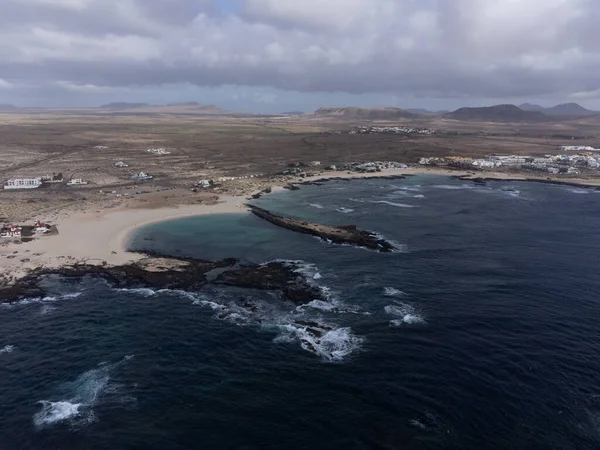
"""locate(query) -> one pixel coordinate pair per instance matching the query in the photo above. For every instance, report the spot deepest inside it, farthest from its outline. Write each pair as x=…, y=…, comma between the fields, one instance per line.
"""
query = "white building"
x=121, y=164
x=158, y=151
x=141, y=176
x=76, y=181
x=204, y=183
x=41, y=228
x=23, y=183
x=10, y=231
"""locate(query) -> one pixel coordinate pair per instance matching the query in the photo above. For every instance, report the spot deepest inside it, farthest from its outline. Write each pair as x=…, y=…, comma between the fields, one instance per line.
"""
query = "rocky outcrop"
x=187, y=274
x=274, y=276
x=338, y=235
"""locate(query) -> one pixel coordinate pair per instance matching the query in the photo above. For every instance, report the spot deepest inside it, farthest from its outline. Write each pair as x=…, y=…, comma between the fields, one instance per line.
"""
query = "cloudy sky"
x=281, y=55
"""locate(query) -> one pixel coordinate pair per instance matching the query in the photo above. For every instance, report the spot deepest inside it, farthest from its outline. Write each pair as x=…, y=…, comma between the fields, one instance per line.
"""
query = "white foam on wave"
x=144, y=292
x=7, y=349
x=357, y=200
x=345, y=210
x=419, y=196
x=453, y=187
x=331, y=344
x=82, y=395
x=316, y=205
x=397, y=205
x=406, y=315
x=415, y=188
x=393, y=292
x=47, y=309
x=41, y=300
x=54, y=412
x=578, y=191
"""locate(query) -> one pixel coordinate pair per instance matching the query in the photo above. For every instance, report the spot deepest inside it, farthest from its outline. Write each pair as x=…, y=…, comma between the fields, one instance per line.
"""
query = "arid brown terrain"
x=207, y=145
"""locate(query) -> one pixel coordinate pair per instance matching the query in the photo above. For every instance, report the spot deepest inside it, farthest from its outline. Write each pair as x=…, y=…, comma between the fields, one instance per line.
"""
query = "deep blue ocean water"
x=482, y=333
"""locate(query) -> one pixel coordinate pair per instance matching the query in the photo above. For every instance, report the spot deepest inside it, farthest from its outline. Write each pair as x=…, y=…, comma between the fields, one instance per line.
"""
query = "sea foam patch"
x=78, y=400
x=7, y=349
x=393, y=292
x=405, y=313
x=395, y=204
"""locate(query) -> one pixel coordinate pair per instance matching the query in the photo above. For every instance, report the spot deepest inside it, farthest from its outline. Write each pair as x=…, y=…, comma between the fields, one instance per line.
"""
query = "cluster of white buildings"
x=34, y=183
x=121, y=164
x=579, y=148
x=158, y=151
x=570, y=164
x=16, y=231
x=392, y=130
x=100, y=147
x=375, y=166
x=243, y=177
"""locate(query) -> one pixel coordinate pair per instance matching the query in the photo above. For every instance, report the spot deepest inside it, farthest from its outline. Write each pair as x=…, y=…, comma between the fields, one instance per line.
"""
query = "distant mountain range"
x=187, y=107
x=5, y=107
x=564, y=109
x=425, y=111
x=498, y=113
x=352, y=112
x=124, y=105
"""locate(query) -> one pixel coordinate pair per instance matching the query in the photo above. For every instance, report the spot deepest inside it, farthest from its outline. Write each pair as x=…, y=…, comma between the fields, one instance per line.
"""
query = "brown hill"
x=189, y=108
x=498, y=113
x=364, y=113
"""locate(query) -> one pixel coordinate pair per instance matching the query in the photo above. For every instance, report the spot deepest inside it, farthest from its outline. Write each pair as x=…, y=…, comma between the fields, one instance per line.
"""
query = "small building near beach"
x=41, y=228
x=10, y=231
x=76, y=181
x=23, y=183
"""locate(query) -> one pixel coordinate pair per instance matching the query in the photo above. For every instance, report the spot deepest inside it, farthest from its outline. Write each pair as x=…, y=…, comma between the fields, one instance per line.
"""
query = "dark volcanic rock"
x=188, y=274
x=153, y=272
x=273, y=276
x=338, y=235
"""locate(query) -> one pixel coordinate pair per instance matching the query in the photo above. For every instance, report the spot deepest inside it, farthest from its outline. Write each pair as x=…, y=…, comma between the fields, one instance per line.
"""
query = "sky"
x=290, y=55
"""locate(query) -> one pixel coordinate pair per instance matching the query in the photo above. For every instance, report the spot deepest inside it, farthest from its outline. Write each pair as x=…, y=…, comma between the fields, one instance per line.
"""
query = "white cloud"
x=5, y=84
x=480, y=48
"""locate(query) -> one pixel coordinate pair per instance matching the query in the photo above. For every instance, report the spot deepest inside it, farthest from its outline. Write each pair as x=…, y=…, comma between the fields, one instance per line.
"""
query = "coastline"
x=101, y=237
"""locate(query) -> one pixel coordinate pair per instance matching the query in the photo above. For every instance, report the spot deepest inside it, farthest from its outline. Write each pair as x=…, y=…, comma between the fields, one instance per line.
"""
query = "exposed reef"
x=274, y=276
x=338, y=235
x=188, y=274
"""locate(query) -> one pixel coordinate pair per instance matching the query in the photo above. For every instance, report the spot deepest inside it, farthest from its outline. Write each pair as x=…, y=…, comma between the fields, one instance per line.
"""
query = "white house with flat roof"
x=23, y=183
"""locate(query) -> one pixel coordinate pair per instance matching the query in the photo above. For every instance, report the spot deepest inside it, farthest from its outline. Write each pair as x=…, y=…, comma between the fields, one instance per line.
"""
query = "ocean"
x=482, y=332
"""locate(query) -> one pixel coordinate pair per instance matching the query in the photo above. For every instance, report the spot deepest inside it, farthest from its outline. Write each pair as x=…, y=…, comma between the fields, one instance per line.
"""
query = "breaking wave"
x=316, y=205
x=41, y=300
x=144, y=292
x=331, y=344
x=454, y=187
x=397, y=205
x=393, y=292
x=81, y=396
x=579, y=191
x=406, y=315
x=345, y=210
x=7, y=349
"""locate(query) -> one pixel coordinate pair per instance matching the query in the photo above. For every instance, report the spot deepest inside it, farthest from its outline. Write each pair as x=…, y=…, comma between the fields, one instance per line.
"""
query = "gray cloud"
x=426, y=48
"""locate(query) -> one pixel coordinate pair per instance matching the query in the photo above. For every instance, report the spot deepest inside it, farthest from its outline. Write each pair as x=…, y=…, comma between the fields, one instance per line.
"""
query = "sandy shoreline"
x=99, y=237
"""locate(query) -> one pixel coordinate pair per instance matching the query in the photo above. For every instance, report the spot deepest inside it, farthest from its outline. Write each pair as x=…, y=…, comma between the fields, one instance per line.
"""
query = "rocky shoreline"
x=156, y=271
x=483, y=180
x=338, y=235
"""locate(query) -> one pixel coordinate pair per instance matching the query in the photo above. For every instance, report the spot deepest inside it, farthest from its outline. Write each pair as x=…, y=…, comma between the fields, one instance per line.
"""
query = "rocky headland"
x=348, y=234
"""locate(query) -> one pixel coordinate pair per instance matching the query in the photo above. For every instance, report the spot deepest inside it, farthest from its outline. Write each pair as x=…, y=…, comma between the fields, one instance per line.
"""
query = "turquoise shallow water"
x=482, y=333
